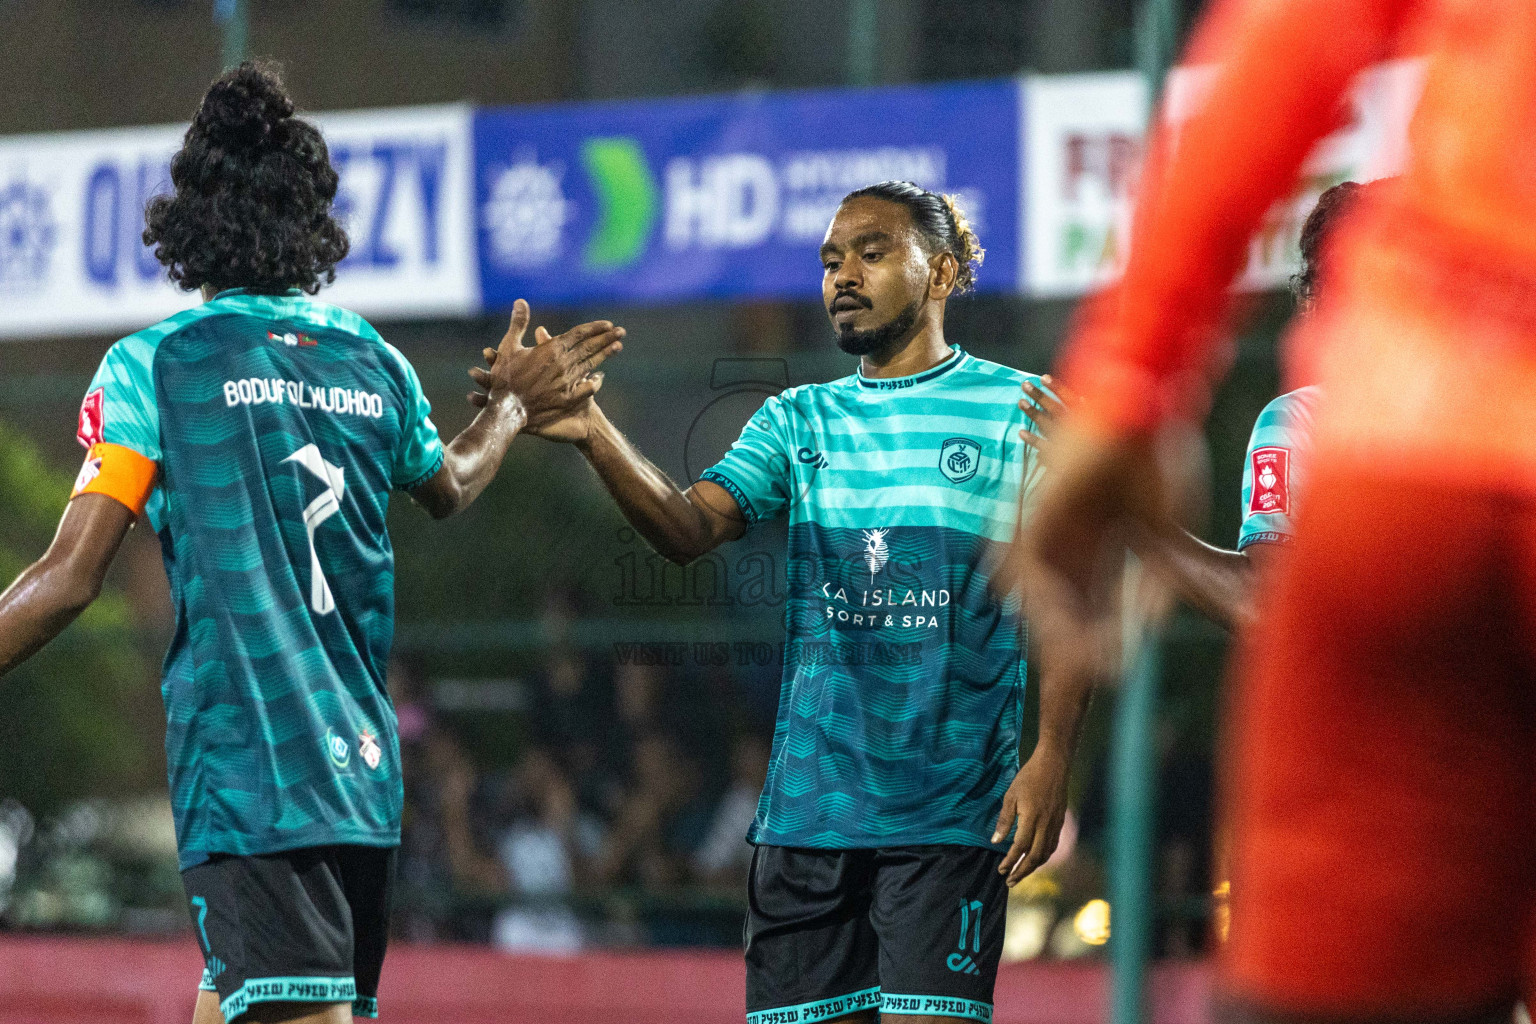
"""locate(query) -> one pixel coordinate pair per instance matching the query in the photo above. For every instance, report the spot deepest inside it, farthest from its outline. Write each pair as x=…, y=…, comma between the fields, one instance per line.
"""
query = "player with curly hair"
x=261, y=433
x=895, y=814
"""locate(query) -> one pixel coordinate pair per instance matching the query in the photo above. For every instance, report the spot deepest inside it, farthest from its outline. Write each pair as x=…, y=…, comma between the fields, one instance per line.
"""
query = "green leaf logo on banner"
x=626, y=193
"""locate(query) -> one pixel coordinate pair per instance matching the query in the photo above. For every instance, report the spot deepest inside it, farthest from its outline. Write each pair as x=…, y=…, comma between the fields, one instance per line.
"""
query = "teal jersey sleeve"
x=120, y=406
x=1274, y=468
x=756, y=469
x=420, y=454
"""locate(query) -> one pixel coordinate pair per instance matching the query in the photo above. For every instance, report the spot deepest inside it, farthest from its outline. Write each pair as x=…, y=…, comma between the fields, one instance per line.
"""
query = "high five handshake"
x=535, y=387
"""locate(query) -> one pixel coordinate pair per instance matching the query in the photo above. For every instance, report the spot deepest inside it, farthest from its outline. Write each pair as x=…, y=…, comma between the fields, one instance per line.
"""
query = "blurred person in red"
x=1380, y=778
x=1224, y=583
x=1220, y=582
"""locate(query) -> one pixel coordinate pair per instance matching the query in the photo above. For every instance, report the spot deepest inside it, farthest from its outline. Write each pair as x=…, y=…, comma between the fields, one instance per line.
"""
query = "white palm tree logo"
x=875, y=552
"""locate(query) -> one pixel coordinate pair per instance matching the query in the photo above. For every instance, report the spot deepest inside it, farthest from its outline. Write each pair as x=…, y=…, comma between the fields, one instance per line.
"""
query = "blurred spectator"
x=407, y=691
x=472, y=869
x=725, y=855
x=568, y=705
x=539, y=852
x=441, y=858
x=637, y=699
x=538, y=847
x=661, y=819
x=572, y=715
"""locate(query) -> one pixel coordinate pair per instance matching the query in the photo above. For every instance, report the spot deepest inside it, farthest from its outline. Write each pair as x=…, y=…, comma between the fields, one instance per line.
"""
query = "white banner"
x=72, y=215
x=1080, y=151
x=1081, y=141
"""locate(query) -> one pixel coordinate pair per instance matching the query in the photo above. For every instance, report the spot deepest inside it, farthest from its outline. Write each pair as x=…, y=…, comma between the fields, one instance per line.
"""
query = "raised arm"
x=51, y=592
x=525, y=386
x=1142, y=350
x=680, y=524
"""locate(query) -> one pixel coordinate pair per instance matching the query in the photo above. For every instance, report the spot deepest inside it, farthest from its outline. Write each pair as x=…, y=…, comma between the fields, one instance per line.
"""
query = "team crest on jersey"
x=959, y=458
x=337, y=748
x=368, y=746
x=93, y=420
x=1271, y=482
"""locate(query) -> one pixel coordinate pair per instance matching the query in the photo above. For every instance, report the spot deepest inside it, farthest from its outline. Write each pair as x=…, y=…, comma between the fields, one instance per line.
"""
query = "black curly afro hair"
x=1331, y=207
x=254, y=188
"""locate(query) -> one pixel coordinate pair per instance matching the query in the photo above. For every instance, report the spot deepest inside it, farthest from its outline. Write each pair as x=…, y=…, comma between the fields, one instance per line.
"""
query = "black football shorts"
x=302, y=926
x=905, y=930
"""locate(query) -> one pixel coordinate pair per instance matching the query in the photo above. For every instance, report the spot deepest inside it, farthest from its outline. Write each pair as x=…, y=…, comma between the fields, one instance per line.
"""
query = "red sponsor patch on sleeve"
x=92, y=419
x=1271, y=482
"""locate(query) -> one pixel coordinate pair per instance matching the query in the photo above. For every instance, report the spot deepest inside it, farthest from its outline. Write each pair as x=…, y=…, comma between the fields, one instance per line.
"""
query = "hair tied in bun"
x=254, y=188
x=243, y=109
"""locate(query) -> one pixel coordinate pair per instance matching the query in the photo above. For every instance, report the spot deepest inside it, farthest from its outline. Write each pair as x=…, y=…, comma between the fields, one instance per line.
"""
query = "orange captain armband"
x=119, y=473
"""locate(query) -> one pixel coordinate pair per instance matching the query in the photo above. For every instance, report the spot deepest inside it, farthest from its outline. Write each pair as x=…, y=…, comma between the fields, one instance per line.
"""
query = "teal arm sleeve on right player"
x=1272, y=468
x=756, y=469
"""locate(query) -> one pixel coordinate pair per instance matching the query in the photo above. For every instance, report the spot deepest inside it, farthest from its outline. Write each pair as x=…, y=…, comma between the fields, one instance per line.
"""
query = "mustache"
x=856, y=297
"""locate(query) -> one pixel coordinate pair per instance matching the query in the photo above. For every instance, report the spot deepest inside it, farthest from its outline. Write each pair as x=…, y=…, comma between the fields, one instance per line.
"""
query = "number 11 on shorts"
x=959, y=961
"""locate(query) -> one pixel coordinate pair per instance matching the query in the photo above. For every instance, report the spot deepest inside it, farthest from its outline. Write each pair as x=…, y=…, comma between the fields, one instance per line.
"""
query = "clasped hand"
x=553, y=376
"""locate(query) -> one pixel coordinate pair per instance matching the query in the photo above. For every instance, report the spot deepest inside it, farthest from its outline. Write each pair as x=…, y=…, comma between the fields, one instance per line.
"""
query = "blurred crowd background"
x=585, y=727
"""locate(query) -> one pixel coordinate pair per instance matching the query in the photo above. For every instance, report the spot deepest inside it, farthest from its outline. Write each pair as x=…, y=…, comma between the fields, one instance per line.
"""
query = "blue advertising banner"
x=725, y=196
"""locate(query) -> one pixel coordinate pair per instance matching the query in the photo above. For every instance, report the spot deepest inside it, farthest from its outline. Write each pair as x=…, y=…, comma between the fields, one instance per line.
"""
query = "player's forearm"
x=1217, y=582
x=655, y=506
x=1064, y=701
x=471, y=459
x=37, y=607
x=56, y=588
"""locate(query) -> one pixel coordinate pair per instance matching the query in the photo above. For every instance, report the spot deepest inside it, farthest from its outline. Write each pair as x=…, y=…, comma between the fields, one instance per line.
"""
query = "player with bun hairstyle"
x=941, y=223
x=261, y=434
x=253, y=192
x=895, y=814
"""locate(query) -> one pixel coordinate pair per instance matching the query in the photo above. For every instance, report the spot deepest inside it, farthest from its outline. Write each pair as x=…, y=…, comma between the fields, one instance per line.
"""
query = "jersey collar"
x=289, y=293
x=912, y=380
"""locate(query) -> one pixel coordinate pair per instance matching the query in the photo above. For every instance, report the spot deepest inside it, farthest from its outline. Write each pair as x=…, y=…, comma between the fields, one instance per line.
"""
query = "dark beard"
x=863, y=343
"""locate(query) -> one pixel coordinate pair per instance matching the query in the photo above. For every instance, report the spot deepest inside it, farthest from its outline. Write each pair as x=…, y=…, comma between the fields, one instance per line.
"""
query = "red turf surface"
x=109, y=981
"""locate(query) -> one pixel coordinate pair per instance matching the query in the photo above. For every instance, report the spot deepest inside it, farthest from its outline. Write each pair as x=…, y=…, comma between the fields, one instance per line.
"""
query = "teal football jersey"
x=279, y=425
x=1275, y=467
x=900, y=705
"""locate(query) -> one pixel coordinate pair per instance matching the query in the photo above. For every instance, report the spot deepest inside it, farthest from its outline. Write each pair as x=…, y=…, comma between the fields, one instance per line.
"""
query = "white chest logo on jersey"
x=959, y=458
x=876, y=554
x=894, y=604
x=319, y=510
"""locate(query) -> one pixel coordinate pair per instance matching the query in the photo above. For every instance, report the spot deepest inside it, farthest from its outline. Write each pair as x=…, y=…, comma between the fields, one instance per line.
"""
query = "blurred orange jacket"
x=1430, y=290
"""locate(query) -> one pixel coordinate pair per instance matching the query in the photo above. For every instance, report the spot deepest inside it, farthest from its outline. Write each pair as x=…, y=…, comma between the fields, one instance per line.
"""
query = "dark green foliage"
x=66, y=731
